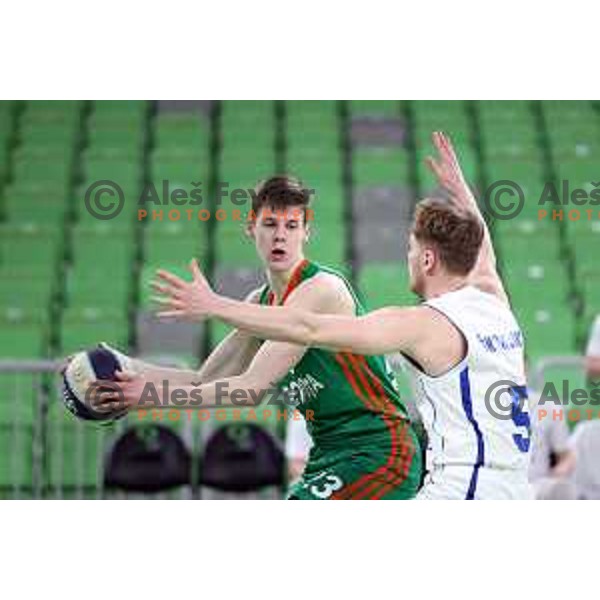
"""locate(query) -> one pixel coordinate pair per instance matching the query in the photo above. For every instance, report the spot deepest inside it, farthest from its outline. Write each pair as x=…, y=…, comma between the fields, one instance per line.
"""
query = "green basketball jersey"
x=348, y=401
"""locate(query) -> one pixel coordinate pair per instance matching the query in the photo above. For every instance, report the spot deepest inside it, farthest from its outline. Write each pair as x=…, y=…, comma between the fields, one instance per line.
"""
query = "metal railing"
x=45, y=452
x=540, y=372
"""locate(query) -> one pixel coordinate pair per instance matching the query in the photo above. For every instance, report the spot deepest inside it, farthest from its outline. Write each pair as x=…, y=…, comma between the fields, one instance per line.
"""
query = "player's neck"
x=443, y=284
x=279, y=280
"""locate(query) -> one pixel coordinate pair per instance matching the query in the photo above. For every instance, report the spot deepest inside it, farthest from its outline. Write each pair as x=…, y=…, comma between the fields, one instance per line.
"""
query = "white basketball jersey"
x=462, y=431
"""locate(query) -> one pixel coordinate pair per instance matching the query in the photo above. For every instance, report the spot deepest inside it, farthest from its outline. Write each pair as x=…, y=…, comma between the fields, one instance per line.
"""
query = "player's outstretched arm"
x=449, y=174
x=250, y=388
x=379, y=332
x=266, y=366
x=231, y=357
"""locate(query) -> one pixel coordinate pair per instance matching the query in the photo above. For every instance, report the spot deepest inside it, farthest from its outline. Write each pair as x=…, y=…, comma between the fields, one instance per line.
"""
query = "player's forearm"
x=487, y=255
x=274, y=323
x=157, y=374
x=231, y=357
x=228, y=359
x=228, y=392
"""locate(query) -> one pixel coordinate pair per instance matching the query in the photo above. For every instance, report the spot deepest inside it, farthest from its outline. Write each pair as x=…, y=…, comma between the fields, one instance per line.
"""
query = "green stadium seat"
x=180, y=174
x=375, y=108
x=383, y=284
x=58, y=170
x=448, y=116
x=171, y=246
x=247, y=173
x=247, y=109
x=125, y=174
x=100, y=276
x=18, y=413
x=328, y=244
x=197, y=154
x=504, y=109
x=176, y=129
x=29, y=248
x=319, y=176
x=549, y=329
x=22, y=292
x=55, y=137
x=44, y=109
x=23, y=339
x=564, y=113
x=36, y=209
x=233, y=248
x=304, y=136
x=74, y=453
x=526, y=281
x=117, y=141
x=310, y=124
x=317, y=109
x=379, y=167
x=120, y=109
x=85, y=328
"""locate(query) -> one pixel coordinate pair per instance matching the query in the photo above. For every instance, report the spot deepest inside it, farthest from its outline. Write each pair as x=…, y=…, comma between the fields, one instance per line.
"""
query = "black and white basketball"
x=86, y=367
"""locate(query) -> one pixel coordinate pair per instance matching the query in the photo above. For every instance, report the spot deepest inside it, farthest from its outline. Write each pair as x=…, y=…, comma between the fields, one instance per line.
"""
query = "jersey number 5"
x=520, y=417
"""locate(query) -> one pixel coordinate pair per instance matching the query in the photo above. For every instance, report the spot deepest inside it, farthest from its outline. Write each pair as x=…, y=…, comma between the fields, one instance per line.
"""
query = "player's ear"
x=250, y=229
x=429, y=260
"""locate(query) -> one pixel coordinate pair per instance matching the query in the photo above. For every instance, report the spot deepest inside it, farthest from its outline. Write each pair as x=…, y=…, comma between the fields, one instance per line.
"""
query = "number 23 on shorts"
x=324, y=484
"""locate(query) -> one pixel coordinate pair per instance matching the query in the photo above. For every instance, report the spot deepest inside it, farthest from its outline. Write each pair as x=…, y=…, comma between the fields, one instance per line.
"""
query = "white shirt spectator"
x=549, y=436
x=593, y=347
x=586, y=442
x=297, y=447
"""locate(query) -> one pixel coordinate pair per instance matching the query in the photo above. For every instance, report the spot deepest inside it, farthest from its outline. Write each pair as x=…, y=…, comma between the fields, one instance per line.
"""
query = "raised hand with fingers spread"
x=449, y=174
x=184, y=300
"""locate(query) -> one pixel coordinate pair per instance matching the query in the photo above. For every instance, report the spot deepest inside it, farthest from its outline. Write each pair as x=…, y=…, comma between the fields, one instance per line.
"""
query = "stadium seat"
x=24, y=338
x=383, y=284
x=102, y=267
x=74, y=454
x=375, y=108
x=379, y=167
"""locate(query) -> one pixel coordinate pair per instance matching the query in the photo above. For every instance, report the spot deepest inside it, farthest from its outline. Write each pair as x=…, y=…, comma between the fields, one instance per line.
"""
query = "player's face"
x=280, y=235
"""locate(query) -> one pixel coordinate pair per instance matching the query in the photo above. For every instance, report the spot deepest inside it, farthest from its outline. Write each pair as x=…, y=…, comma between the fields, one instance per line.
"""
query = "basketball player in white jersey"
x=460, y=342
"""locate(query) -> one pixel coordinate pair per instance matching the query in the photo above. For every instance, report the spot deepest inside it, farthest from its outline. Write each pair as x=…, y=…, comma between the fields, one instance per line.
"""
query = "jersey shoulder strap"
x=306, y=270
x=264, y=294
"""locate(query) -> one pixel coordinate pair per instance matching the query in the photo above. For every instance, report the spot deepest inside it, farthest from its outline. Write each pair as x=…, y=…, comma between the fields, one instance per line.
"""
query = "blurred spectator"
x=297, y=447
x=592, y=358
x=552, y=457
x=586, y=443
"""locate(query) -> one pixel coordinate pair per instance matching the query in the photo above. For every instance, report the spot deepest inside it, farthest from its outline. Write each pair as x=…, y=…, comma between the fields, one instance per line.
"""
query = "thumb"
x=196, y=273
x=122, y=375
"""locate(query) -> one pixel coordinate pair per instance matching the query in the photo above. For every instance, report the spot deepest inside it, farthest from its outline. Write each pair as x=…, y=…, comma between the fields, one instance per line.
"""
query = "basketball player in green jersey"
x=363, y=444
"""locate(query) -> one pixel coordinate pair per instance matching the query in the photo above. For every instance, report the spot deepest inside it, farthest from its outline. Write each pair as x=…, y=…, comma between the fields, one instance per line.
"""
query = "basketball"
x=100, y=363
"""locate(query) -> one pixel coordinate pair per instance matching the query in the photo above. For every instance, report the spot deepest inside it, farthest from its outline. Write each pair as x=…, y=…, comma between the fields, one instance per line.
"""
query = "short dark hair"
x=280, y=192
x=457, y=235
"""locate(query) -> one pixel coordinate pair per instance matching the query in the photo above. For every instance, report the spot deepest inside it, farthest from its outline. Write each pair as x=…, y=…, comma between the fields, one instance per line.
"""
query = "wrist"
x=218, y=306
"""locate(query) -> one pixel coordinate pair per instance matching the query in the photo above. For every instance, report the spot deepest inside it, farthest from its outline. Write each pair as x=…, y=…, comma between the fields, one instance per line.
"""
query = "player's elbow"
x=308, y=330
